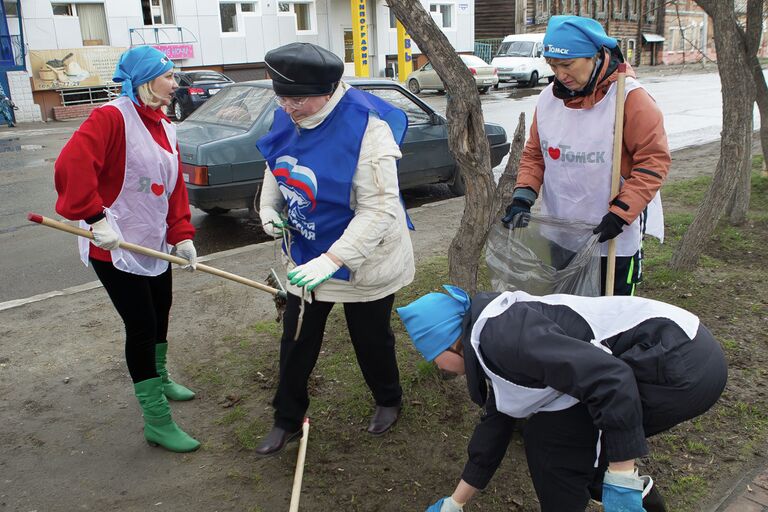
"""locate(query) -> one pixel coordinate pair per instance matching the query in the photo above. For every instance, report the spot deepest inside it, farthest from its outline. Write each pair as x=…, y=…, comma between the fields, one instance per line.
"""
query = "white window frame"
x=311, y=5
x=240, y=16
x=72, y=9
x=451, y=6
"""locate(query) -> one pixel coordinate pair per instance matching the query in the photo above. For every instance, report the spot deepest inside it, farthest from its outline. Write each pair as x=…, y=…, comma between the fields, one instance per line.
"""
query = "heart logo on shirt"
x=553, y=152
x=157, y=189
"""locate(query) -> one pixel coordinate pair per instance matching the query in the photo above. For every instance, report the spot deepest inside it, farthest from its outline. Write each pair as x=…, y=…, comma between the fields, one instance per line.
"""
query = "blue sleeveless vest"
x=314, y=169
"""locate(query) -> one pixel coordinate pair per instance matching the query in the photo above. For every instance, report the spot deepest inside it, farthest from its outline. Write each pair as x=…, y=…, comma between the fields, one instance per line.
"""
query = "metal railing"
x=486, y=48
x=89, y=95
x=160, y=35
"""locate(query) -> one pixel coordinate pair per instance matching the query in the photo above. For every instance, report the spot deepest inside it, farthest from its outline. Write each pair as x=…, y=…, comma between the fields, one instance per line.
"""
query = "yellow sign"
x=360, y=37
x=73, y=67
x=404, y=56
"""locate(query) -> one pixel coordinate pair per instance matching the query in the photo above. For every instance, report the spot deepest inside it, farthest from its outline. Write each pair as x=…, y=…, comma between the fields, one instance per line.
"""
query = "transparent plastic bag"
x=548, y=255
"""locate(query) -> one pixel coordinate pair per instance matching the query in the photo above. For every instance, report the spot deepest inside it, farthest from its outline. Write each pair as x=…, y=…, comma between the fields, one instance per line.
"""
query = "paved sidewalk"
x=750, y=494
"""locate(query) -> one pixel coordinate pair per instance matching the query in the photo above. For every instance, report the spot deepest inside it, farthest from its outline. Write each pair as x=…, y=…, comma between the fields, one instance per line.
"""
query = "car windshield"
x=197, y=78
x=515, y=49
x=238, y=106
x=471, y=60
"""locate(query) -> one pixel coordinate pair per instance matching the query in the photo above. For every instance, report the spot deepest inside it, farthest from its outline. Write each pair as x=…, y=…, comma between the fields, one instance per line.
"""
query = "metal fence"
x=89, y=95
x=487, y=48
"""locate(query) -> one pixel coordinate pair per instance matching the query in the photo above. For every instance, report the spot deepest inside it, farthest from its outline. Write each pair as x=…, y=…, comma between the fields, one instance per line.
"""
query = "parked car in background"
x=223, y=169
x=195, y=87
x=426, y=78
x=519, y=59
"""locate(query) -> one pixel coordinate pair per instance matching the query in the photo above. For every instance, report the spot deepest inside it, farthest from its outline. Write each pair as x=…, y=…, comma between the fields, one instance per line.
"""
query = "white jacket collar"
x=318, y=117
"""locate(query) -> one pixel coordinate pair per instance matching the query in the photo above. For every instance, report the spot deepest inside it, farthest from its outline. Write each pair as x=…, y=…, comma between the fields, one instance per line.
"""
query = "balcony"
x=163, y=34
x=12, y=52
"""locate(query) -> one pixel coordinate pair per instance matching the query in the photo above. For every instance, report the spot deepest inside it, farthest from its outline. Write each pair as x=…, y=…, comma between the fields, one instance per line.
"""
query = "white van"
x=519, y=59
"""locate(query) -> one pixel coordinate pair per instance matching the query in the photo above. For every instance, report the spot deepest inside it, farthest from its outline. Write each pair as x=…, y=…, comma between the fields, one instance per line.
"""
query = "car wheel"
x=178, y=112
x=215, y=210
x=413, y=86
x=534, y=79
x=484, y=90
x=457, y=186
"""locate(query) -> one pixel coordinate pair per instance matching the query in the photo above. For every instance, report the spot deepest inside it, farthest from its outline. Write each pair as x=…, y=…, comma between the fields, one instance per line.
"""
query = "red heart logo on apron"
x=158, y=189
x=553, y=152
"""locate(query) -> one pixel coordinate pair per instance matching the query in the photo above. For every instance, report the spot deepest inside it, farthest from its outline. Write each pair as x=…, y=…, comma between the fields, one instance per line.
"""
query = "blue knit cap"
x=569, y=37
x=434, y=320
x=139, y=65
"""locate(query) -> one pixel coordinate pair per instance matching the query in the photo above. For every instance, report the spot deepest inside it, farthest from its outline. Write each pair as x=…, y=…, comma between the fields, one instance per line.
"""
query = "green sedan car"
x=223, y=169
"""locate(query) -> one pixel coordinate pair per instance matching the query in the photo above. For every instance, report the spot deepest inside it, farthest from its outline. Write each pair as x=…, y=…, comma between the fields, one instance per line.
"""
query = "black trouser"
x=144, y=304
x=372, y=339
x=628, y=273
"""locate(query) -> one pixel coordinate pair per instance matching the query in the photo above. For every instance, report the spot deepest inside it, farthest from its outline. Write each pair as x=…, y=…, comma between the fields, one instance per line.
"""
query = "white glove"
x=186, y=249
x=451, y=506
x=104, y=236
x=313, y=272
x=272, y=222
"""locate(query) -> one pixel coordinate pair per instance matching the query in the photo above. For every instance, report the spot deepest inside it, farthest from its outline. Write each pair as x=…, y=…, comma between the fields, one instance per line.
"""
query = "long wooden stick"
x=46, y=221
x=299, y=474
x=618, y=140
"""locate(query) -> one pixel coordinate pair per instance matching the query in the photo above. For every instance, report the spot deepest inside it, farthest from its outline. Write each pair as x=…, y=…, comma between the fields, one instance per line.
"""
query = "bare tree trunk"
x=738, y=96
x=738, y=206
x=466, y=139
x=761, y=96
x=506, y=185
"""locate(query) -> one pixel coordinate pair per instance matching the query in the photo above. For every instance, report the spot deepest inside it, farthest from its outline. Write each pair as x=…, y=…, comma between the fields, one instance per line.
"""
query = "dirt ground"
x=71, y=436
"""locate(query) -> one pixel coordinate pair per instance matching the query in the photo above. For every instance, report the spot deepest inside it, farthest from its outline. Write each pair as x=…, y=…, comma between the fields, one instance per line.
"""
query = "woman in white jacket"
x=331, y=192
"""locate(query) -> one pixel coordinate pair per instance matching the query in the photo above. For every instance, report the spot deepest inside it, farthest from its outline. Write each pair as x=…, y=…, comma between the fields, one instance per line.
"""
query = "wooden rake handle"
x=61, y=226
x=299, y=473
x=618, y=139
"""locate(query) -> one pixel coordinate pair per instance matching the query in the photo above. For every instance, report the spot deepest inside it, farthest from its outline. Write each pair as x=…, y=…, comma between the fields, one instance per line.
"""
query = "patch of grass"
x=688, y=192
x=687, y=490
x=696, y=447
x=268, y=327
x=236, y=414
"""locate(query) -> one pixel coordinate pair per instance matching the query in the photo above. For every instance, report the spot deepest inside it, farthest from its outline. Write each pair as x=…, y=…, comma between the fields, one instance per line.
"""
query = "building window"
x=442, y=14
x=349, y=46
x=618, y=9
x=650, y=14
x=543, y=11
x=11, y=7
x=157, y=12
x=602, y=9
x=392, y=19
x=63, y=10
x=632, y=9
x=231, y=14
x=304, y=12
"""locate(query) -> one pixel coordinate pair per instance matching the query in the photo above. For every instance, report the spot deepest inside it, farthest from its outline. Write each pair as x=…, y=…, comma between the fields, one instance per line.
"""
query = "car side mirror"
x=435, y=119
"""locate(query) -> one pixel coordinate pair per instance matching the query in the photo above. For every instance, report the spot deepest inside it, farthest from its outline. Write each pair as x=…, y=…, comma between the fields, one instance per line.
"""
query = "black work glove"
x=610, y=227
x=518, y=206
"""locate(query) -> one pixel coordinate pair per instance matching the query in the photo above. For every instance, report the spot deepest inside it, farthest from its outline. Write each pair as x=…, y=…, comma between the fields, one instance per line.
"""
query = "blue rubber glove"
x=623, y=492
x=445, y=505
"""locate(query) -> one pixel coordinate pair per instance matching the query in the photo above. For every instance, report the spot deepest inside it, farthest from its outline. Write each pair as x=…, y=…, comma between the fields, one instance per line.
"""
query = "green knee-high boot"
x=171, y=389
x=159, y=427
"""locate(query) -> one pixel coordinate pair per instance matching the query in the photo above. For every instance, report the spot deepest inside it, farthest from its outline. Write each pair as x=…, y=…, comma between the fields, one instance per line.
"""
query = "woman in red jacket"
x=119, y=175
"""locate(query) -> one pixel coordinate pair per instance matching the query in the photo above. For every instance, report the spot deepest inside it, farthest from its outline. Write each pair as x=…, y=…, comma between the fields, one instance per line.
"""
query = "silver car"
x=426, y=78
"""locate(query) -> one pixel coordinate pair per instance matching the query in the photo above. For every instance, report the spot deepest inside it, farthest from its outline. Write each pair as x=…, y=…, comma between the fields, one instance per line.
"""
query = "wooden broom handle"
x=46, y=221
x=618, y=139
x=299, y=473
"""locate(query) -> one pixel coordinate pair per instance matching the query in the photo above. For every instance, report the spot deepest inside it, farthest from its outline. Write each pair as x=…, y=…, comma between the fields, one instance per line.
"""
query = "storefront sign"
x=404, y=53
x=360, y=37
x=73, y=67
x=177, y=51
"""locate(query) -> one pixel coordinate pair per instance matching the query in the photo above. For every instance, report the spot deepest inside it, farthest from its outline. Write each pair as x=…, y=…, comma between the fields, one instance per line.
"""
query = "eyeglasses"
x=291, y=102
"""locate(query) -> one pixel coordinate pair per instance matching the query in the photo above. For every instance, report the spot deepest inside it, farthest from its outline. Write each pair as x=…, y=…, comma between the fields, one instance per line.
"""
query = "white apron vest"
x=606, y=316
x=578, y=159
x=139, y=212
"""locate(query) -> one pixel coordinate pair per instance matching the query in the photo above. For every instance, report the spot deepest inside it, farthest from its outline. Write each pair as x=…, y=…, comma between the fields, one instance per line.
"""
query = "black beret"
x=303, y=69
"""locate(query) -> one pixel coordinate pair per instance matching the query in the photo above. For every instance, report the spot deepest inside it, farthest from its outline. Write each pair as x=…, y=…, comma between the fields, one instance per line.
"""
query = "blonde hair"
x=148, y=96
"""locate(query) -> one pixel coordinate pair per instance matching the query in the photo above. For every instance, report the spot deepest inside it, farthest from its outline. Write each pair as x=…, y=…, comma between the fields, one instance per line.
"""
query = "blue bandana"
x=569, y=37
x=434, y=320
x=139, y=65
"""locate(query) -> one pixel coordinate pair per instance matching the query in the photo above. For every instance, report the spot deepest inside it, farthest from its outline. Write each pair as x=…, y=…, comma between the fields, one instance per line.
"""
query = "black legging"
x=143, y=303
